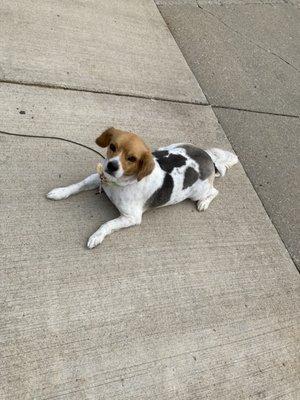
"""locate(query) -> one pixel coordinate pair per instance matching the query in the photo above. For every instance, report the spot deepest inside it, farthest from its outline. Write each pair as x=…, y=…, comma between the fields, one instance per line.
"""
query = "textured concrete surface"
x=268, y=147
x=187, y=306
x=259, y=24
x=98, y=45
x=233, y=67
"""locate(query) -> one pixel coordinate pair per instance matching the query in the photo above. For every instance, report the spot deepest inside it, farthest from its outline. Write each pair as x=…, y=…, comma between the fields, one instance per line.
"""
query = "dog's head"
x=127, y=154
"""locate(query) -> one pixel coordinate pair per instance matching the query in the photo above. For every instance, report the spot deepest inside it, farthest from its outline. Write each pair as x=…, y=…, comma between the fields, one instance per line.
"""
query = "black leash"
x=52, y=137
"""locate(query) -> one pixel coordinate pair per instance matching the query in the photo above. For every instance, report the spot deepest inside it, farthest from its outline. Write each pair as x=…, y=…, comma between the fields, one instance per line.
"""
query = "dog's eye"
x=112, y=147
x=131, y=159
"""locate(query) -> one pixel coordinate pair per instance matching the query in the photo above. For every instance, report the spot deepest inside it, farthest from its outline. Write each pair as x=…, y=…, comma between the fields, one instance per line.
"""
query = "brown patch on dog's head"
x=136, y=158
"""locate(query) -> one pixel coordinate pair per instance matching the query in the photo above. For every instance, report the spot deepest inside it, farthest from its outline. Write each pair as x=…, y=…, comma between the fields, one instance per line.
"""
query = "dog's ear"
x=146, y=165
x=104, y=139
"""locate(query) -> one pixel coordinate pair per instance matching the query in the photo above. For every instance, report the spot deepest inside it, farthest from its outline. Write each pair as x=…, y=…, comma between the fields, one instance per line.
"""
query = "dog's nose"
x=112, y=166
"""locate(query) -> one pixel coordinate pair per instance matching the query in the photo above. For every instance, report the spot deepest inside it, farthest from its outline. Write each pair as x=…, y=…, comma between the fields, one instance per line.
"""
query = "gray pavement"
x=186, y=306
x=268, y=147
x=234, y=68
x=100, y=46
x=244, y=62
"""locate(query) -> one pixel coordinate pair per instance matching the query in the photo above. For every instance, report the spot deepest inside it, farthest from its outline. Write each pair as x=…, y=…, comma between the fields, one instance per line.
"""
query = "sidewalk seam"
x=290, y=255
x=135, y=96
x=255, y=111
x=175, y=41
x=59, y=87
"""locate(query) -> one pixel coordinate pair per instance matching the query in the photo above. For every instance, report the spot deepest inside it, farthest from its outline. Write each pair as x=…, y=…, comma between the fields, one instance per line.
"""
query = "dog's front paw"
x=94, y=240
x=58, y=194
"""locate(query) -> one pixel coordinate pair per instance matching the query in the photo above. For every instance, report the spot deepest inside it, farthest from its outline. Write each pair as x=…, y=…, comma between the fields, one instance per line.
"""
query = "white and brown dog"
x=136, y=179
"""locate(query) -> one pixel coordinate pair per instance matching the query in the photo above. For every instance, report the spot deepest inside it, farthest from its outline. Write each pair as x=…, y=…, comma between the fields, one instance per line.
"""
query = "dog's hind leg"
x=89, y=183
x=204, y=194
x=203, y=204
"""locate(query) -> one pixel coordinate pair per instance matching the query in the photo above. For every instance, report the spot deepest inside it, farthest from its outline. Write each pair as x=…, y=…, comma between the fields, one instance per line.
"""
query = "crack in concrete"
x=251, y=3
x=135, y=96
x=266, y=50
x=255, y=111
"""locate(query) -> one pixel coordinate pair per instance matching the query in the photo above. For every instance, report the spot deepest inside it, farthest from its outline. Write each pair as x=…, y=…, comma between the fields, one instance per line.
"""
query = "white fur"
x=130, y=196
x=222, y=159
x=89, y=183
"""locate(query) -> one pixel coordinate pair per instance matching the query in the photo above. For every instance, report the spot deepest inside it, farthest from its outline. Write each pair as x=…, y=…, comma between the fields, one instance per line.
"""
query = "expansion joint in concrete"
x=136, y=96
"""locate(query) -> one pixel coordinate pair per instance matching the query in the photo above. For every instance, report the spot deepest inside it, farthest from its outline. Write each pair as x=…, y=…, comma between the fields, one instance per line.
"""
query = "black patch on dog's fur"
x=169, y=161
x=162, y=195
x=160, y=153
x=206, y=165
x=190, y=177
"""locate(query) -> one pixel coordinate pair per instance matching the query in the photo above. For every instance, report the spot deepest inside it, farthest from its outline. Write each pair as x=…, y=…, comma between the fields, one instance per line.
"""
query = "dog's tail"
x=222, y=159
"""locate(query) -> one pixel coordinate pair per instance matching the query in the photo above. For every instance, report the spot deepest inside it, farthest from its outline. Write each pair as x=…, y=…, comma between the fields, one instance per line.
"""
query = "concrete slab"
x=233, y=70
x=206, y=310
x=115, y=47
x=259, y=24
x=268, y=147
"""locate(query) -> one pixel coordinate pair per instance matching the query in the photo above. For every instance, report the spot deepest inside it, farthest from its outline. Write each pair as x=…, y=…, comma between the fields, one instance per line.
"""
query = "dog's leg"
x=204, y=193
x=203, y=204
x=123, y=221
x=89, y=183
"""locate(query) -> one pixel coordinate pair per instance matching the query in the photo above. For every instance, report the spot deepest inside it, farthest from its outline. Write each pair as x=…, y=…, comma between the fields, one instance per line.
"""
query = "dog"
x=136, y=179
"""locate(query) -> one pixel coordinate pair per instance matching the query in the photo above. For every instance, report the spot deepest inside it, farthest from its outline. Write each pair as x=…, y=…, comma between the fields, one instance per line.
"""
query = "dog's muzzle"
x=112, y=167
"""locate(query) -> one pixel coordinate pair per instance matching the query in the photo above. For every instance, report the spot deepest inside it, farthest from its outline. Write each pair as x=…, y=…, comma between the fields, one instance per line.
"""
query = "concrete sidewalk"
x=94, y=46
x=187, y=306
x=249, y=71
